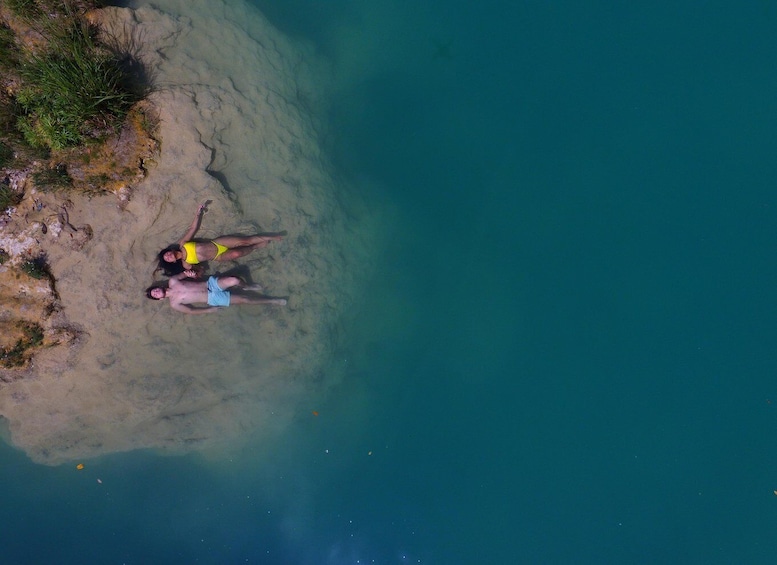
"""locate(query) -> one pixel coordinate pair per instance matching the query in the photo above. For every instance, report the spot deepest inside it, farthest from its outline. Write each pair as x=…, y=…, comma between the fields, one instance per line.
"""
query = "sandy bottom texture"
x=237, y=104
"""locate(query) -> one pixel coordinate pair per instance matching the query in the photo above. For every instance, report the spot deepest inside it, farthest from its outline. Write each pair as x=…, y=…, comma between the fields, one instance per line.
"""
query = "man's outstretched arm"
x=188, y=309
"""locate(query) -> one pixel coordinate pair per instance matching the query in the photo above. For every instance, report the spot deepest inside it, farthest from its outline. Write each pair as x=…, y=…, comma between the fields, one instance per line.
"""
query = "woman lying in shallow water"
x=187, y=253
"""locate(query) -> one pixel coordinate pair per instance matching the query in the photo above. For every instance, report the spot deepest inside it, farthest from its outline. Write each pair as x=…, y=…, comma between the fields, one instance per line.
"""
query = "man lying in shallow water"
x=214, y=292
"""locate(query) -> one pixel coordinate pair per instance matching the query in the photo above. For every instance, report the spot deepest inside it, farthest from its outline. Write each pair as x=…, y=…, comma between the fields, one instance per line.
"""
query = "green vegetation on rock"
x=36, y=268
x=26, y=9
x=72, y=91
x=19, y=354
x=53, y=179
x=9, y=52
x=62, y=86
x=8, y=198
x=6, y=155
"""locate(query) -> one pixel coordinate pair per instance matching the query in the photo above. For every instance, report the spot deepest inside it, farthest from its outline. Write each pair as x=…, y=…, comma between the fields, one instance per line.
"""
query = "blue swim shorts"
x=216, y=296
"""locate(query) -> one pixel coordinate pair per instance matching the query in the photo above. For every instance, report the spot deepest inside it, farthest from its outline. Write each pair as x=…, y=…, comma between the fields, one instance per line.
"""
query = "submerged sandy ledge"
x=237, y=107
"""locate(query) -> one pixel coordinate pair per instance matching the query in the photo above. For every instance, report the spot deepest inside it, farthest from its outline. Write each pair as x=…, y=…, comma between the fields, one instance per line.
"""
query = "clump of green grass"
x=6, y=155
x=33, y=333
x=74, y=91
x=9, y=51
x=38, y=10
x=98, y=180
x=4, y=256
x=8, y=114
x=8, y=197
x=19, y=354
x=53, y=179
x=36, y=268
x=26, y=9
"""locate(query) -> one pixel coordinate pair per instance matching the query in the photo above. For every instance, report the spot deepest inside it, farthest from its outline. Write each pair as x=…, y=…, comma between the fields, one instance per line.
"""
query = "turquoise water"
x=567, y=355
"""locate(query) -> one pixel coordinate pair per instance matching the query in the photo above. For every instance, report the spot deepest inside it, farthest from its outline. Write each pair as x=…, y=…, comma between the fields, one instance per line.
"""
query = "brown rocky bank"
x=41, y=223
x=32, y=316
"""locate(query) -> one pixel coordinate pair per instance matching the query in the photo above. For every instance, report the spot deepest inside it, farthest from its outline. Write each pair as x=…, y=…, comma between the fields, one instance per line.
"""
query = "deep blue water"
x=580, y=284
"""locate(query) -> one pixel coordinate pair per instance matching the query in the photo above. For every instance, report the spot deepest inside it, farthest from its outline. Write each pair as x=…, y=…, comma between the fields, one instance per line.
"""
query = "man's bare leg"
x=245, y=299
x=228, y=282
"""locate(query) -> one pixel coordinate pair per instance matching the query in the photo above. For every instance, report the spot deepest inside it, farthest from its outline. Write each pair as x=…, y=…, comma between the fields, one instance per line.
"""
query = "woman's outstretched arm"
x=195, y=224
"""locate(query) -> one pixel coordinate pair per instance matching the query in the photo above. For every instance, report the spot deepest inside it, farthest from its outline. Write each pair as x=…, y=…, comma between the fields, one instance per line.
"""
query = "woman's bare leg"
x=252, y=241
x=240, y=246
x=235, y=253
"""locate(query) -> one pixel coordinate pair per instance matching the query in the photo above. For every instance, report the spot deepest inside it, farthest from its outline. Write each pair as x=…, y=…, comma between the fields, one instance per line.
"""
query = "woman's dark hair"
x=152, y=287
x=169, y=269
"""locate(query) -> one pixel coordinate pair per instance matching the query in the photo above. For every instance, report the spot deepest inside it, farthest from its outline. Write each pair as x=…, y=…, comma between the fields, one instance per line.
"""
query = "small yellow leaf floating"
x=315, y=413
x=80, y=466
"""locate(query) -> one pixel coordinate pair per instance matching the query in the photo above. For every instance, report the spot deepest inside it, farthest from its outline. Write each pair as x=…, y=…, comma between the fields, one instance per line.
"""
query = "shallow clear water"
x=567, y=354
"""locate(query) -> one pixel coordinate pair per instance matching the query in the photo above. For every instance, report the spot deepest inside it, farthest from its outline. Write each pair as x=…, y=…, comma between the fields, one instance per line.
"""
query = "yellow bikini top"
x=190, y=253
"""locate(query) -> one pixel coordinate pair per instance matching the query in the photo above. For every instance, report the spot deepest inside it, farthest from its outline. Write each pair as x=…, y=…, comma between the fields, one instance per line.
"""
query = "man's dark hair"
x=149, y=289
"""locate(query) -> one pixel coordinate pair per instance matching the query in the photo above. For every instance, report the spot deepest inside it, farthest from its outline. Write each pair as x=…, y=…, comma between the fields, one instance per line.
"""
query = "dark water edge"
x=587, y=208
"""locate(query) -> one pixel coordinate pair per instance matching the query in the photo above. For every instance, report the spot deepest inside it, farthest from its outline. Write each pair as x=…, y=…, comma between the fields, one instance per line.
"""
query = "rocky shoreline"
x=41, y=220
x=39, y=225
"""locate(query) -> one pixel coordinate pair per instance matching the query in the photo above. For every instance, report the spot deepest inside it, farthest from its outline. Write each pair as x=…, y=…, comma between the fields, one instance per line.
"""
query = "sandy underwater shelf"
x=238, y=106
